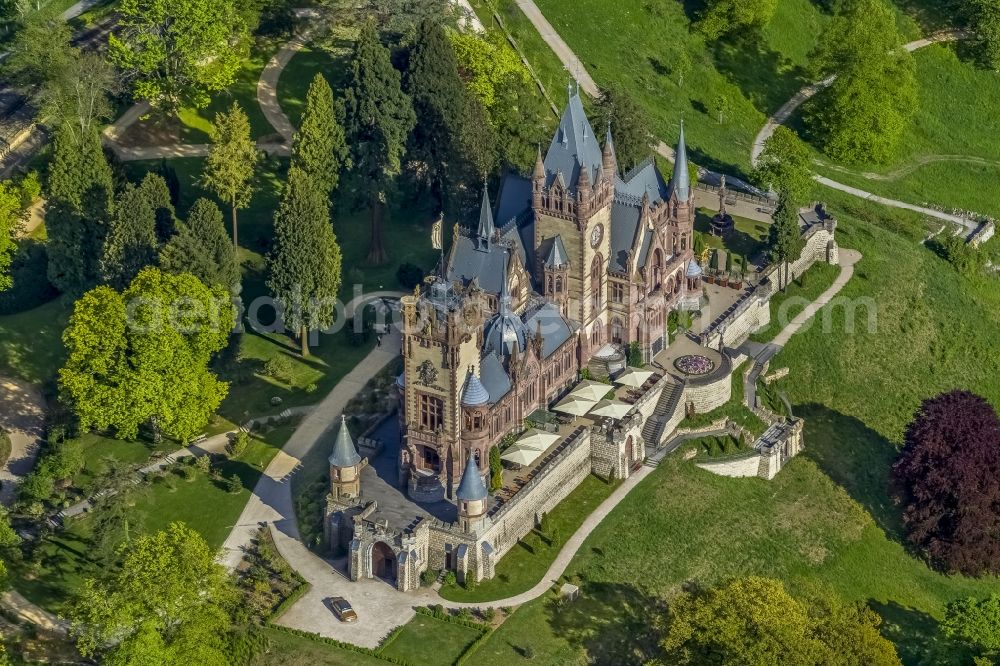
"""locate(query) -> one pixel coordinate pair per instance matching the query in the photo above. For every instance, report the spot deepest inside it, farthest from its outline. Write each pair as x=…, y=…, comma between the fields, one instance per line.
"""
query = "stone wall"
x=780, y=443
x=741, y=467
x=750, y=315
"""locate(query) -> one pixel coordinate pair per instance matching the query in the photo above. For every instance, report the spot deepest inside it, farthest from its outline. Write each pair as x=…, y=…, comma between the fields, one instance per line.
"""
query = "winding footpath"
x=23, y=419
x=789, y=107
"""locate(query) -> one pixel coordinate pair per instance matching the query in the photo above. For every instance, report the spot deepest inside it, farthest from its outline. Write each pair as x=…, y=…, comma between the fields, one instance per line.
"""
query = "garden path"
x=789, y=107
x=23, y=418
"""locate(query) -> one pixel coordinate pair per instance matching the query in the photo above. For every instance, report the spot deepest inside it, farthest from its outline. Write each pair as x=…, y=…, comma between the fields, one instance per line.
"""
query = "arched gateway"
x=383, y=562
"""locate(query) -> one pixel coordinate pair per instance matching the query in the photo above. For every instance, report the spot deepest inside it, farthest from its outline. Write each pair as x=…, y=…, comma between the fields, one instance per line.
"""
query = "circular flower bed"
x=695, y=364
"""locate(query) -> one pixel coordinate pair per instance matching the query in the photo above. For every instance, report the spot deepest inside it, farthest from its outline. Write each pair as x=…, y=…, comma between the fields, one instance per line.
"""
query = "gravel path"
x=23, y=418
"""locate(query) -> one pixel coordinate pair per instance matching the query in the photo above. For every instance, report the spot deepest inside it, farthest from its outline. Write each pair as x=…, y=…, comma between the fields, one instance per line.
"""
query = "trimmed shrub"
x=234, y=484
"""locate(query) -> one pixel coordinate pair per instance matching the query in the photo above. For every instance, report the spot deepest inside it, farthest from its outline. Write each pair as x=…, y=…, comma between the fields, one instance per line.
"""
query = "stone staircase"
x=666, y=407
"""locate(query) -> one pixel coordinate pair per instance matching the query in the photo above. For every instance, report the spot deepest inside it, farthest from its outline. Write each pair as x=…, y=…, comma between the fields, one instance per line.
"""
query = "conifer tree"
x=784, y=239
x=202, y=248
x=232, y=161
x=319, y=147
x=439, y=101
x=305, y=262
x=131, y=243
x=379, y=117
x=80, y=202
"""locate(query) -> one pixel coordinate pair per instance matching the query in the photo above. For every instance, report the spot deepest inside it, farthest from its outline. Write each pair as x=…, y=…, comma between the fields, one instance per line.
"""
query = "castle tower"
x=538, y=181
x=682, y=207
x=555, y=276
x=345, y=465
x=475, y=419
x=472, y=497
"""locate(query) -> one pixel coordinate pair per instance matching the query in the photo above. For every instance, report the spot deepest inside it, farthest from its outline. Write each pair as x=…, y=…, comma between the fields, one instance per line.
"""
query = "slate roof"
x=693, y=269
x=574, y=144
x=554, y=328
x=471, y=488
x=624, y=221
x=514, y=201
x=486, y=226
x=681, y=182
x=505, y=331
x=469, y=261
x=556, y=256
x=494, y=377
x=644, y=179
x=344, y=454
x=475, y=394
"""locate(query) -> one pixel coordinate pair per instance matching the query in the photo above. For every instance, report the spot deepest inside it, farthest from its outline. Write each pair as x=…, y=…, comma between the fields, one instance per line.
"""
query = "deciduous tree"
x=11, y=216
x=975, y=622
x=755, y=622
x=984, y=15
x=232, y=161
x=783, y=167
x=319, y=147
x=947, y=478
x=379, y=117
x=723, y=17
x=202, y=248
x=168, y=604
x=863, y=114
x=305, y=263
x=629, y=126
x=142, y=356
x=174, y=53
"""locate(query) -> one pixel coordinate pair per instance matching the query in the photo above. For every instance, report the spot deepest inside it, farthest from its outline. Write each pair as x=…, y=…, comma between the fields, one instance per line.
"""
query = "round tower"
x=472, y=497
x=475, y=419
x=345, y=465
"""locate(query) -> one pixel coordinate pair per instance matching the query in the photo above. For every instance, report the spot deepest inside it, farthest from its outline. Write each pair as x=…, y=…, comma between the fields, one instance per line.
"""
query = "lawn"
x=527, y=562
x=203, y=503
x=428, y=641
x=945, y=158
x=827, y=518
x=734, y=410
x=748, y=238
x=31, y=342
x=786, y=305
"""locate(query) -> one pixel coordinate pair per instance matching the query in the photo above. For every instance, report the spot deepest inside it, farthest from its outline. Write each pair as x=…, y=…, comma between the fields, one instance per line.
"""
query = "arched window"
x=657, y=269
x=559, y=285
x=616, y=330
x=597, y=334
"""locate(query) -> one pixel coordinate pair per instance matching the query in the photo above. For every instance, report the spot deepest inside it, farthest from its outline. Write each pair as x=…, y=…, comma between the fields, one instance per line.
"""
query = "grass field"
x=31, y=342
x=203, y=503
x=748, y=238
x=786, y=305
x=524, y=566
x=427, y=641
x=287, y=649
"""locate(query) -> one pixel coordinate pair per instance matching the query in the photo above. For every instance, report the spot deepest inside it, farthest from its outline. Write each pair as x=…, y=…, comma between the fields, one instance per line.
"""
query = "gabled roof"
x=644, y=179
x=557, y=255
x=468, y=261
x=624, y=222
x=514, y=201
x=554, y=328
x=494, y=377
x=344, y=454
x=471, y=487
x=573, y=145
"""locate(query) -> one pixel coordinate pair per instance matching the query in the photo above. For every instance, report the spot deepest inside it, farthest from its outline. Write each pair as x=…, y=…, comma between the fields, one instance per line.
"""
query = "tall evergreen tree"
x=80, y=203
x=319, y=147
x=131, y=243
x=202, y=248
x=439, y=103
x=379, y=117
x=232, y=161
x=784, y=239
x=10, y=221
x=305, y=263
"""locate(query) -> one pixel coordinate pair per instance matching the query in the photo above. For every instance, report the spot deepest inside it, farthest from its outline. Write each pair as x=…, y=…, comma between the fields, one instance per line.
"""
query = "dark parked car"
x=342, y=608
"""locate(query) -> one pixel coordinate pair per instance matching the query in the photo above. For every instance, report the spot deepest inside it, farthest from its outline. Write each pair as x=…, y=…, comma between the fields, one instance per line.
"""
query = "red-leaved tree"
x=947, y=478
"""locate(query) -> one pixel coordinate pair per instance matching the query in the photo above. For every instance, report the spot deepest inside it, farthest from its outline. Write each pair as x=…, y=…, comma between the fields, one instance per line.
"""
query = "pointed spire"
x=475, y=394
x=504, y=288
x=486, y=226
x=539, y=166
x=609, y=160
x=682, y=177
x=344, y=453
x=471, y=488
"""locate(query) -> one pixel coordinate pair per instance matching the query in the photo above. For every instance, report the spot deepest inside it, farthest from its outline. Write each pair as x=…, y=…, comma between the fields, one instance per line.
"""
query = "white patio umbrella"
x=537, y=439
x=521, y=455
x=634, y=377
x=574, y=405
x=614, y=409
x=588, y=389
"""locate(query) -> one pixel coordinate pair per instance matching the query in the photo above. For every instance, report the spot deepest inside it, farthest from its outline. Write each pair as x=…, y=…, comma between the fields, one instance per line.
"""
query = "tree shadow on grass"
x=857, y=458
x=766, y=77
x=917, y=636
x=612, y=622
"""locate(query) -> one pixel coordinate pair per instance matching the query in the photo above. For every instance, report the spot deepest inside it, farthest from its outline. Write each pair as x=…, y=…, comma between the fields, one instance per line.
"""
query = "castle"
x=576, y=263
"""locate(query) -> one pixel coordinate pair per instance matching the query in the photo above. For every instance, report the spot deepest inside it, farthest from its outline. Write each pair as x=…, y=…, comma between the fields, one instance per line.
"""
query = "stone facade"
x=781, y=442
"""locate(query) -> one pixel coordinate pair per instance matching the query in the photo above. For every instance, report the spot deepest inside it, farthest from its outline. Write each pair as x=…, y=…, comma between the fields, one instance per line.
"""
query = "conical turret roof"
x=471, y=487
x=344, y=453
